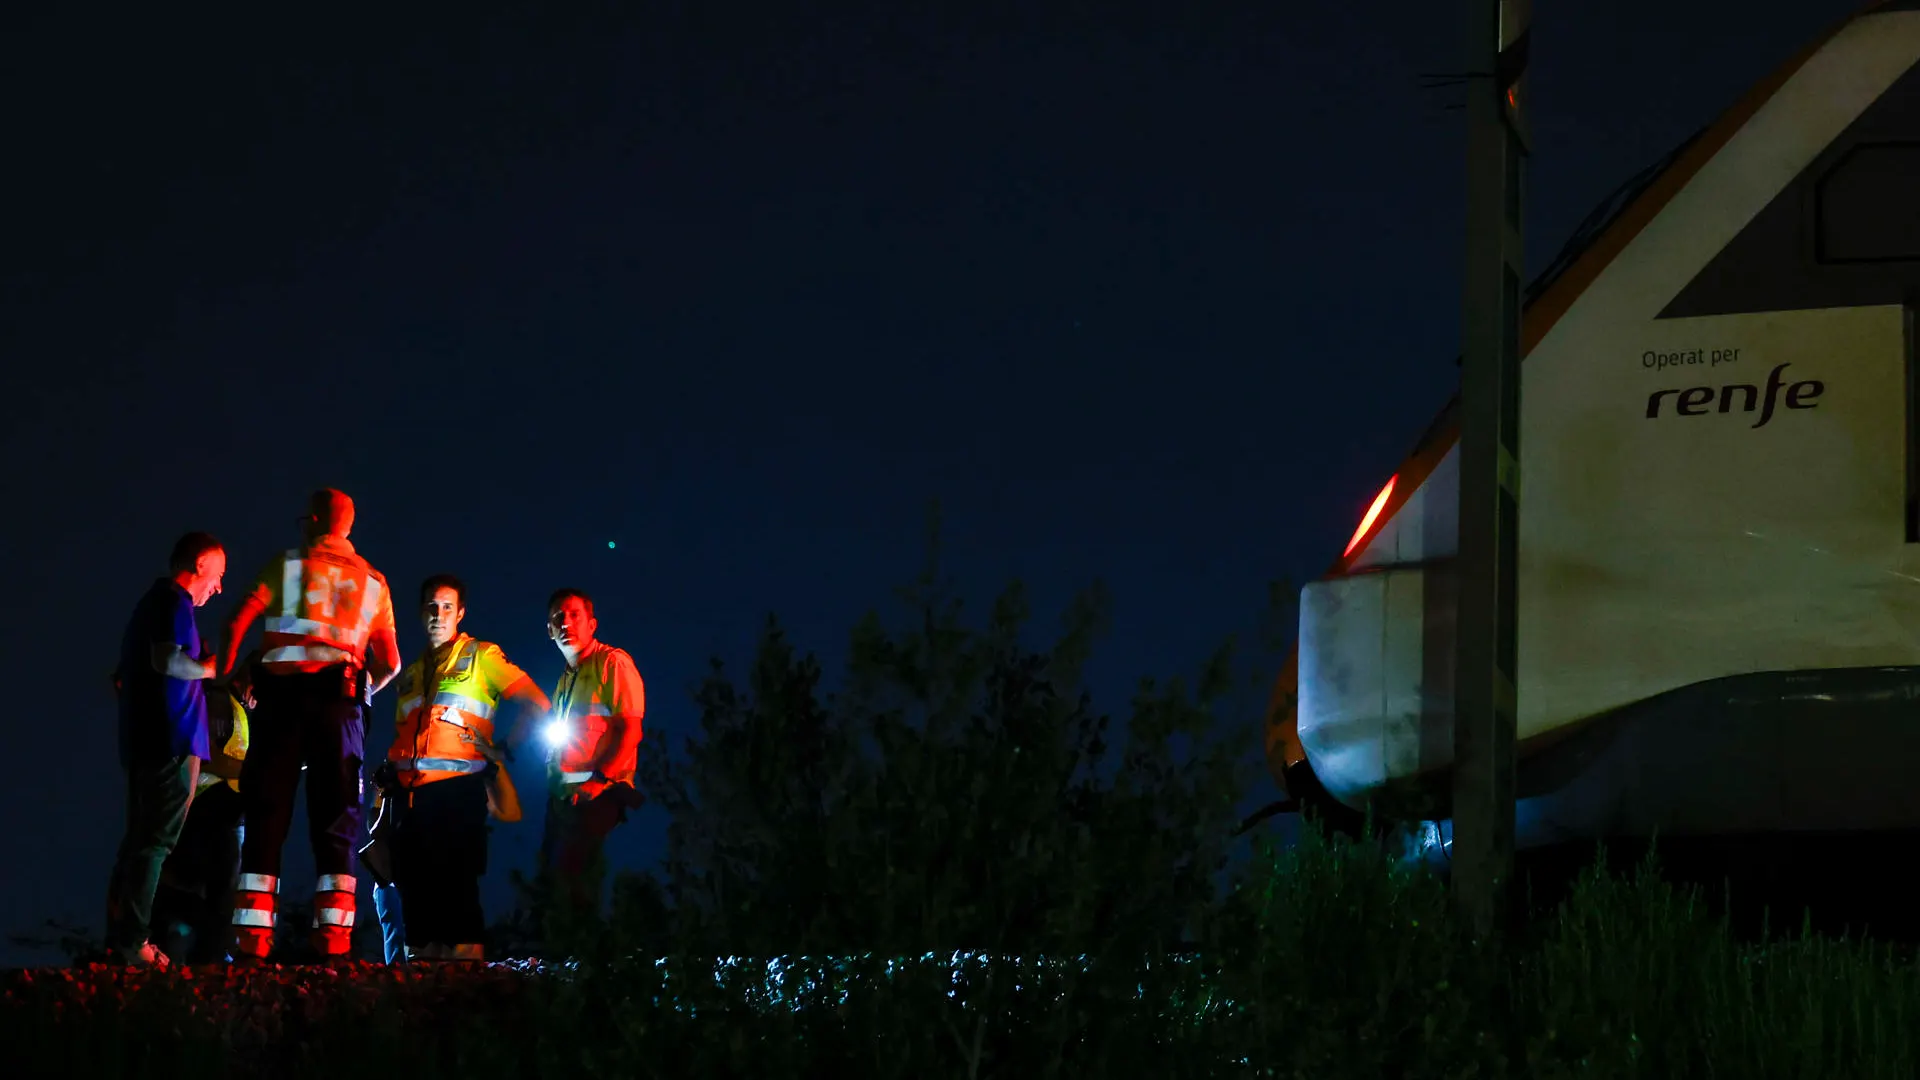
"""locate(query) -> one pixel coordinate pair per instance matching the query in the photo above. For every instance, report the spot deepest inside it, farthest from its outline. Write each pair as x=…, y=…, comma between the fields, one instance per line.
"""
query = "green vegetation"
x=958, y=791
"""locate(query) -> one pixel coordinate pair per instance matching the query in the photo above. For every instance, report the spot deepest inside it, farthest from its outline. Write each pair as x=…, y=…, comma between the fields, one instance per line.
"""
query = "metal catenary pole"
x=1485, y=683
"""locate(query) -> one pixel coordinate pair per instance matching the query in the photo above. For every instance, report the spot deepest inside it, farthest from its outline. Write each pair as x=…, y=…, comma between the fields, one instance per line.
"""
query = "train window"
x=1869, y=205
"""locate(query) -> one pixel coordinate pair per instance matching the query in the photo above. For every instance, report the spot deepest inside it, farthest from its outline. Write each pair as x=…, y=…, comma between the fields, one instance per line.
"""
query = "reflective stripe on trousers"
x=333, y=911
x=253, y=914
x=262, y=883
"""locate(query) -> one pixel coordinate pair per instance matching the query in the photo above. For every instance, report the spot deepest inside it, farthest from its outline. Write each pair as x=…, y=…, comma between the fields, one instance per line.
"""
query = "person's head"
x=570, y=621
x=443, y=603
x=197, y=564
x=329, y=513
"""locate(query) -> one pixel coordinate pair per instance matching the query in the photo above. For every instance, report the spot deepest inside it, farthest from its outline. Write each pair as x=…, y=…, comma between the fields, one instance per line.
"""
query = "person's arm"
x=259, y=599
x=627, y=701
x=168, y=654
x=172, y=661
x=523, y=708
x=383, y=658
x=236, y=630
x=383, y=643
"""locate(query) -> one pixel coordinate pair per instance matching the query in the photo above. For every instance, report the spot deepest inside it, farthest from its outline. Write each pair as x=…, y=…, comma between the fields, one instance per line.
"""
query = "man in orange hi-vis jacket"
x=327, y=645
x=444, y=773
x=594, y=737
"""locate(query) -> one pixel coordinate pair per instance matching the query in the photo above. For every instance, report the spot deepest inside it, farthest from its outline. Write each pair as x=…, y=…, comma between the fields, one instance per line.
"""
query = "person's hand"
x=240, y=685
x=487, y=750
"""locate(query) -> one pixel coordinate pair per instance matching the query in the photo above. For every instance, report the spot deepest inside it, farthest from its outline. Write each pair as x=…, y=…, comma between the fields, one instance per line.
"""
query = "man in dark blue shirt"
x=161, y=681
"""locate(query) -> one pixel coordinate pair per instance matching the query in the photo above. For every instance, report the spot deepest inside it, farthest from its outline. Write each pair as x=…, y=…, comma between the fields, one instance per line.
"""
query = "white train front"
x=1719, y=593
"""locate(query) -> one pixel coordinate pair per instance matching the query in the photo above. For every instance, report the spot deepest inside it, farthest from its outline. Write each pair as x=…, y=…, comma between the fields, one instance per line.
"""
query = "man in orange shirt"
x=327, y=646
x=594, y=736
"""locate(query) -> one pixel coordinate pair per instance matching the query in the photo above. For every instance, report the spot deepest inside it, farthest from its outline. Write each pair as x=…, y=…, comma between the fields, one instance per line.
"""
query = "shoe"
x=147, y=955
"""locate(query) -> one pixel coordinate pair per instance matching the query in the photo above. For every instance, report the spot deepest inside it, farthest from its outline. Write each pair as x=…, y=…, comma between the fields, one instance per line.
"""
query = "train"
x=1719, y=533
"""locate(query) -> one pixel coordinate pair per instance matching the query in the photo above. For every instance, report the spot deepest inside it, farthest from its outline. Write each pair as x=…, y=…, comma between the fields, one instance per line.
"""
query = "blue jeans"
x=393, y=928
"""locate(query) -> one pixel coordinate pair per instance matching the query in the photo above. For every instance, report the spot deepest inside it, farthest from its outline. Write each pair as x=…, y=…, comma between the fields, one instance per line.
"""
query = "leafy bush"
x=959, y=791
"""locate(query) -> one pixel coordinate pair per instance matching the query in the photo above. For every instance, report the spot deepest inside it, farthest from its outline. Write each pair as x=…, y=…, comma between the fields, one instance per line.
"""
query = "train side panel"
x=1743, y=511
x=1706, y=496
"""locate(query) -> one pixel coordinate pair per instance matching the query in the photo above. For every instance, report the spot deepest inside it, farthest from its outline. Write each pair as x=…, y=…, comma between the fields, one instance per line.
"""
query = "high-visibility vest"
x=587, y=723
x=328, y=601
x=434, y=712
x=228, y=757
x=582, y=700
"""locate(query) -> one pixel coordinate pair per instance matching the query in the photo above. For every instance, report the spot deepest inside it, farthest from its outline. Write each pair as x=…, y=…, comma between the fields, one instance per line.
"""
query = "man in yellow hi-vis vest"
x=444, y=773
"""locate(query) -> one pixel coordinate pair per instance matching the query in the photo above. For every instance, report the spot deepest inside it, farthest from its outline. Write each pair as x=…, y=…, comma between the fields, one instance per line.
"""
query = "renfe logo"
x=1694, y=401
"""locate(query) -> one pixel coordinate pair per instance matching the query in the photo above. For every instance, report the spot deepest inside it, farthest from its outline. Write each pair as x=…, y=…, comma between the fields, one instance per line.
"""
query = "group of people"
x=214, y=744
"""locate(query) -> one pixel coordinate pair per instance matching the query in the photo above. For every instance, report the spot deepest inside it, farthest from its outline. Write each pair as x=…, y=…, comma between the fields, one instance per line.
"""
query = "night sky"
x=1158, y=302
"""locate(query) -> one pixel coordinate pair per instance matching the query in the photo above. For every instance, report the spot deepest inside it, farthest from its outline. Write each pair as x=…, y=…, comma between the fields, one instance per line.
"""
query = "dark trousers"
x=303, y=719
x=195, y=900
x=573, y=843
x=158, y=794
x=440, y=855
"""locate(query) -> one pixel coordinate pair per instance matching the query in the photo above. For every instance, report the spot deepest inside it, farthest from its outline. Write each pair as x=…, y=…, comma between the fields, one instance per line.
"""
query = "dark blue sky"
x=1159, y=302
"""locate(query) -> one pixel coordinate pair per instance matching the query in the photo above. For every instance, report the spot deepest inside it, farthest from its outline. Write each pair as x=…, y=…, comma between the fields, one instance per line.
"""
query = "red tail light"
x=1373, y=515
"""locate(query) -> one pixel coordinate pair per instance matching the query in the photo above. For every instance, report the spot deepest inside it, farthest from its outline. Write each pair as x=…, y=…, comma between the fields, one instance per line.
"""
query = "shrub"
x=958, y=791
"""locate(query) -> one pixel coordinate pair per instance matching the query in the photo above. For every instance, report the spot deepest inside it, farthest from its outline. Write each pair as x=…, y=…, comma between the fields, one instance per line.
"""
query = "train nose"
x=1376, y=676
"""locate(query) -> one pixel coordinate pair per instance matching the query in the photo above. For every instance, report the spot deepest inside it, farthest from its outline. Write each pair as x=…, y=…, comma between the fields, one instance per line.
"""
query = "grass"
x=1634, y=978
x=1327, y=960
